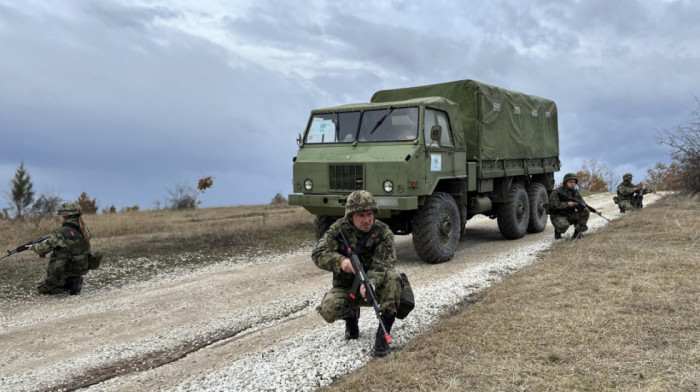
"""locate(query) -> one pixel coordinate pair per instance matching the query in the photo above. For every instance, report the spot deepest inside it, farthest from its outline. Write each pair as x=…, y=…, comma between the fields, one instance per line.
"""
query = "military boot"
x=74, y=284
x=381, y=347
x=622, y=210
x=557, y=235
x=577, y=235
x=352, y=329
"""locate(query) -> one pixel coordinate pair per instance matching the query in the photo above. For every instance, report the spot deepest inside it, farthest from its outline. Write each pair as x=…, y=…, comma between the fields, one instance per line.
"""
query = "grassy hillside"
x=618, y=310
x=139, y=244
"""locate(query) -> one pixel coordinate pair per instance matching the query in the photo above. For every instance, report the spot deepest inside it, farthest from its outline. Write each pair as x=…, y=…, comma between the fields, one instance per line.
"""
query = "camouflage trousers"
x=337, y=303
x=55, y=279
x=625, y=205
x=562, y=222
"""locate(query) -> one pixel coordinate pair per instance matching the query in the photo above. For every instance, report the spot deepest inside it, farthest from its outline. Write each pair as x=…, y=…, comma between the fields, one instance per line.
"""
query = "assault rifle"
x=22, y=248
x=361, y=279
x=637, y=196
x=641, y=191
x=581, y=206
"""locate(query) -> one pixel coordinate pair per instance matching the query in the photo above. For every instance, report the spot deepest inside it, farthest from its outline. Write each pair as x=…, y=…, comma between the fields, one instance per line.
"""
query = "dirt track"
x=183, y=327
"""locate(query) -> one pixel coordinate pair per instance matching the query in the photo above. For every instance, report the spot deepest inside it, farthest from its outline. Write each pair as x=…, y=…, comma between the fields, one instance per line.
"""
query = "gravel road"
x=243, y=325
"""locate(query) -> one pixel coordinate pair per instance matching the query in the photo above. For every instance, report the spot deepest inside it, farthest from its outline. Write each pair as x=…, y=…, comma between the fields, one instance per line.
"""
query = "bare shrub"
x=130, y=209
x=684, y=141
x=278, y=199
x=87, y=206
x=111, y=210
x=183, y=197
x=45, y=206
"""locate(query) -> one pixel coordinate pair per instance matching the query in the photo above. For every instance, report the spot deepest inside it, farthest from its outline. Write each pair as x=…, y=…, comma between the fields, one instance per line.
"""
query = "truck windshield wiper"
x=381, y=120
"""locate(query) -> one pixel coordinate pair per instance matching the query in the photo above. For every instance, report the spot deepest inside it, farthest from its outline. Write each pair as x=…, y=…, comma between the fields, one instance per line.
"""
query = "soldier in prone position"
x=373, y=242
x=70, y=253
x=563, y=212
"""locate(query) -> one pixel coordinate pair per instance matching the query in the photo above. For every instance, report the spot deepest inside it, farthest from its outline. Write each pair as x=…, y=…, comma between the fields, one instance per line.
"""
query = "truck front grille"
x=346, y=177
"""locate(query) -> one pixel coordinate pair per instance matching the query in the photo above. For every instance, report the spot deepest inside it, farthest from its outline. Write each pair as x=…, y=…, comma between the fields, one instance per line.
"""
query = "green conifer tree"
x=21, y=196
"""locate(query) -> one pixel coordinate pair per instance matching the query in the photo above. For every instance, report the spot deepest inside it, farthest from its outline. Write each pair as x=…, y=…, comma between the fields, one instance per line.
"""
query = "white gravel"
x=311, y=358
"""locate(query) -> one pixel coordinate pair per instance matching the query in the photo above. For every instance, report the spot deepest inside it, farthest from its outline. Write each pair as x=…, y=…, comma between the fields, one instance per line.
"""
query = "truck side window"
x=433, y=117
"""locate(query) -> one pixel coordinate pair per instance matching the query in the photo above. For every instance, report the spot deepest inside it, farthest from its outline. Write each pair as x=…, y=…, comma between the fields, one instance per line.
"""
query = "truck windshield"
x=389, y=125
x=398, y=124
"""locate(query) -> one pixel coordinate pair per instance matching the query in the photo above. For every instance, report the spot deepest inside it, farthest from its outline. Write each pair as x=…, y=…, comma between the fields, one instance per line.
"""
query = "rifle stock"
x=361, y=279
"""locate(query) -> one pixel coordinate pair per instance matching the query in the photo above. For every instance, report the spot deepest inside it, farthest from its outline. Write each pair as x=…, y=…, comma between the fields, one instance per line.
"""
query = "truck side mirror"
x=299, y=141
x=436, y=133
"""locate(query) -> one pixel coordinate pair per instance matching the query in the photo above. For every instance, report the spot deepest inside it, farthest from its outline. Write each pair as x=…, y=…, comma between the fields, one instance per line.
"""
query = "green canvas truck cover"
x=497, y=123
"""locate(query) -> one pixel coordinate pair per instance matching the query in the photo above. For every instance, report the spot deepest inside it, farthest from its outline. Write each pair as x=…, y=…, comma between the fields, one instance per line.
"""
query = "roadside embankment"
x=618, y=310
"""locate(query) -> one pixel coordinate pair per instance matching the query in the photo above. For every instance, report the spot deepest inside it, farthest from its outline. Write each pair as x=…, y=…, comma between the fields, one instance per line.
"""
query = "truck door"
x=441, y=154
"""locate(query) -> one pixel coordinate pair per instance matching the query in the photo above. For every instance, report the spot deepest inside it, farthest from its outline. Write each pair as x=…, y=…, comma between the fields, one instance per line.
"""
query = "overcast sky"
x=126, y=99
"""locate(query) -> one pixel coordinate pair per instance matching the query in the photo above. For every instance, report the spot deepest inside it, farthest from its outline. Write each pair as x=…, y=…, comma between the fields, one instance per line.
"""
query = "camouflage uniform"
x=69, y=257
x=376, y=251
x=563, y=216
x=624, y=193
x=378, y=257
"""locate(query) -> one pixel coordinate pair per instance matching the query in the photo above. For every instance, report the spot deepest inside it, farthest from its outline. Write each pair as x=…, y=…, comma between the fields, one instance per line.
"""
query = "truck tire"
x=436, y=228
x=322, y=223
x=514, y=214
x=538, y=208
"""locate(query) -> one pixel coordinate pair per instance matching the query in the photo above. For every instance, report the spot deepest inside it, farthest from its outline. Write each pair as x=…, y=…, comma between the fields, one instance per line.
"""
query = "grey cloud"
x=145, y=106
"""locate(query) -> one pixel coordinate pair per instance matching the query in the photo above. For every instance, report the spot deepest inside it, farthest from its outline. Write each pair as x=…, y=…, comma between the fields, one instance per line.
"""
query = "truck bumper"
x=334, y=205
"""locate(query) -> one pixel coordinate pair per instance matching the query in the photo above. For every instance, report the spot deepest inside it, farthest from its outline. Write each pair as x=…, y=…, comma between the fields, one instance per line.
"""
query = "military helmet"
x=627, y=177
x=359, y=201
x=570, y=176
x=69, y=208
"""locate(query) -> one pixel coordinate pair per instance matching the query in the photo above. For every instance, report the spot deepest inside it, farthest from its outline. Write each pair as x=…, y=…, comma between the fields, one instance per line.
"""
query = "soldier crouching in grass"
x=70, y=253
x=563, y=212
x=373, y=242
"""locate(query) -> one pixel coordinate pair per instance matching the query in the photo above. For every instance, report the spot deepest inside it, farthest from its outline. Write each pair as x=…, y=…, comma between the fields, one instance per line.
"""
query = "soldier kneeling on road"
x=563, y=212
x=70, y=253
x=373, y=242
x=629, y=196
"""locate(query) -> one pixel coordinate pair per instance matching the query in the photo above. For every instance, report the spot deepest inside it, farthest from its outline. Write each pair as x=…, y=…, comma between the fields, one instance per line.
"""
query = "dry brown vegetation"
x=169, y=238
x=619, y=310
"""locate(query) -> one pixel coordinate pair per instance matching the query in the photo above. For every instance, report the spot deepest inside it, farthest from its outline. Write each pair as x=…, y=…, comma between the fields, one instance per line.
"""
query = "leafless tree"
x=596, y=169
x=684, y=141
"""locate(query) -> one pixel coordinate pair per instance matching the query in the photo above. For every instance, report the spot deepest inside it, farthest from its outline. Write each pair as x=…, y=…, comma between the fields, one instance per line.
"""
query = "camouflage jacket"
x=67, y=243
x=625, y=190
x=558, y=201
x=377, y=255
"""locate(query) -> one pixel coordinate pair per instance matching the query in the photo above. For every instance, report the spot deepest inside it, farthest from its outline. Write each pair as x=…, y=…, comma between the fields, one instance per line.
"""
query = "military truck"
x=434, y=157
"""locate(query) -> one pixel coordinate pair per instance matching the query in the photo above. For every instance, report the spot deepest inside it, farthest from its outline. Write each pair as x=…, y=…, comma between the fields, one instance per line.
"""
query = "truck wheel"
x=514, y=215
x=538, y=208
x=436, y=229
x=322, y=223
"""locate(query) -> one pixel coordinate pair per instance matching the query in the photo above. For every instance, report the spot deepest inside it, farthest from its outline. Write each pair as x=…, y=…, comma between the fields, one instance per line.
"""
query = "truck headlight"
x=308, y=184
x=388, y=186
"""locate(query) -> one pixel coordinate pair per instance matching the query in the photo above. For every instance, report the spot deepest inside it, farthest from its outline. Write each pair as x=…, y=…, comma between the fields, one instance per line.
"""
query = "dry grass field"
x=168, y=239
x=618, y=310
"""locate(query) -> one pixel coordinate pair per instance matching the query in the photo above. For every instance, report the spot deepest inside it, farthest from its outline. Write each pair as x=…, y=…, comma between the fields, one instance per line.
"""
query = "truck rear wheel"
x=514, y=214
x=538, y=208
x=322, y=223
x=436, y=229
